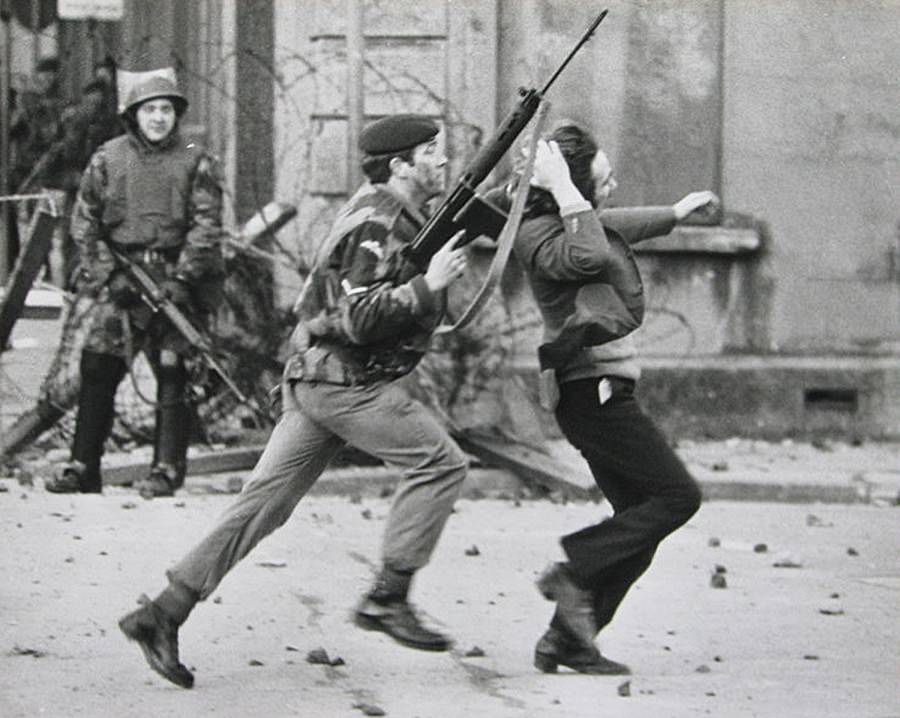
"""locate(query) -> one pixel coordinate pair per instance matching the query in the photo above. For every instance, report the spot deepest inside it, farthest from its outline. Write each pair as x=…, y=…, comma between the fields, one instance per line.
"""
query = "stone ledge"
x=688, y=239
x=767, y=397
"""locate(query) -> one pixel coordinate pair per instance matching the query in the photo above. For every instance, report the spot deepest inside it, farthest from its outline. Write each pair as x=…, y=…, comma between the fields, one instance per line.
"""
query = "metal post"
x=5, y=86
x=355, y=90
x=36, y=32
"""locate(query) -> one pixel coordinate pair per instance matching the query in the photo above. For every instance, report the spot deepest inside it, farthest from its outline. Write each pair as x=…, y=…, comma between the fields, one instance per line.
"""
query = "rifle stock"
x=451, y=215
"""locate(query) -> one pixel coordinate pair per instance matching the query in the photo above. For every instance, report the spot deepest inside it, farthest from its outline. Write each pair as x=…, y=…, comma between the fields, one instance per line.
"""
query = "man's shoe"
x=574, y=605
x=65, y=482
x=157, y=483
x=556, y=648
x=399, y=621
x=157, y=635
x=70, y=480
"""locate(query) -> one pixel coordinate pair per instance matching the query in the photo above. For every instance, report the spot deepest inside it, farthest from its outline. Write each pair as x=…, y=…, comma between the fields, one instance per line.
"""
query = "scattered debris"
x=852, y=551
x=217, y=599
x=831, y=611
x=366, y=513
x=271, y=563
x=129, y=505
x=718, y=659
x=369, y=709
x=720, y=466
x=810, y=657
x=717, y=580
x=714, y=541
x=474, y=652
x=710, y=694
x=760, y=548
x=320, y=657
x=473, y=551
x=18, y=650
x=289, y=647
x=253, y=662
x=720, y=568
x=3, y=488
x=835, y=595
x=70, y=559
x=813, y=520
x=786, y=561
x=703, y=668
x=624, y=689
x=356, y=498
x=179, y=504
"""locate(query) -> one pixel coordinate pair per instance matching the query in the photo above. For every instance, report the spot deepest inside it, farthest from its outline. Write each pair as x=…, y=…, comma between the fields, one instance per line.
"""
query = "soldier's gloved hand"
x=177, y=291
x=122, y=291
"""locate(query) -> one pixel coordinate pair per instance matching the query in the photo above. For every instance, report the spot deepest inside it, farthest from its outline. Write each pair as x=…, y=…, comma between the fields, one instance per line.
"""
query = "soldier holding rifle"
x=149, y=199
x=366, y=315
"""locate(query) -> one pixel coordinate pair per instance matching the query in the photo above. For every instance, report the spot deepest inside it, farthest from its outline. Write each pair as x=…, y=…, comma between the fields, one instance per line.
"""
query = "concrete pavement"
x=817, y=639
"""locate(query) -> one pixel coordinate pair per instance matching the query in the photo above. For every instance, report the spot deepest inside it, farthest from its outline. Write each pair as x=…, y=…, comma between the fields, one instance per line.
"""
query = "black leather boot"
x=385, y=608
x=559, y=648
x=157, y=635
x=172, y=430
x=574, y=605
x=100, y=377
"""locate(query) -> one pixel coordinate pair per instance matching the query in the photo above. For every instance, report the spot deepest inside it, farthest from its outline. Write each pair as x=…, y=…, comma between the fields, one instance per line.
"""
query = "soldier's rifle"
x=158, y=302
x=462, y=208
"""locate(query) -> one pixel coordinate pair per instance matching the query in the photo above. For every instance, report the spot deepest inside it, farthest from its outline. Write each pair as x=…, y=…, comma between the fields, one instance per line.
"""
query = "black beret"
x=396, y=133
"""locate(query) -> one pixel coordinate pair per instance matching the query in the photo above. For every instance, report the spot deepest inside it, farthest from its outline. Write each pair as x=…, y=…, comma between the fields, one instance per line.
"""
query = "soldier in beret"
x=366, y=315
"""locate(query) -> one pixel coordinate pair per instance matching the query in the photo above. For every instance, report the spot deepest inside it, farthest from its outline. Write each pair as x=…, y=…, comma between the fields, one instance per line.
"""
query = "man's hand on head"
x=694, y=201
x=551, y=172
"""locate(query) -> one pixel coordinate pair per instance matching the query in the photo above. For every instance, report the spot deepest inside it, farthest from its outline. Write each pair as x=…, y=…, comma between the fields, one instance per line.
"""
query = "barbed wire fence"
x=469, y=380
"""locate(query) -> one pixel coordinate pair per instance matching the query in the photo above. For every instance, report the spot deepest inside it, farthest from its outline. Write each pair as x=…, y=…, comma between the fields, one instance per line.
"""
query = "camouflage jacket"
x=164, y=198
x=365, y=312
x=36, y=131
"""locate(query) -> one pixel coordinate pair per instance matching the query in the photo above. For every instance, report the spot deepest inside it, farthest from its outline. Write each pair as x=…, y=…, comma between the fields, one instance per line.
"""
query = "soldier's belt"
x=322, y=364
x=148, y=255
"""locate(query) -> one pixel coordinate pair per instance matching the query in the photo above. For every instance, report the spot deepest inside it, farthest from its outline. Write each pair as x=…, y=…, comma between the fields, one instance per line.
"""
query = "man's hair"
x=377, y=168
x=578, y=148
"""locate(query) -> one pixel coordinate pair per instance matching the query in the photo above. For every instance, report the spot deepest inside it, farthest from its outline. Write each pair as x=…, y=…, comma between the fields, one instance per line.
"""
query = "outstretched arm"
x=635, y=224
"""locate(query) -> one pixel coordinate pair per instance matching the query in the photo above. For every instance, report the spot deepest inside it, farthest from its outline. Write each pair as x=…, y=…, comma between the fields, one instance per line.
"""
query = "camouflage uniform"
x=161, y=206
x=36, y=127
x=158, y=204
x=366, y=316
x=365, y=312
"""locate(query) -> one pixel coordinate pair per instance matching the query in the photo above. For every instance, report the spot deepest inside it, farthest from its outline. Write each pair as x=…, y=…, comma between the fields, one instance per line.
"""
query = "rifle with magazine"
x=463, y=208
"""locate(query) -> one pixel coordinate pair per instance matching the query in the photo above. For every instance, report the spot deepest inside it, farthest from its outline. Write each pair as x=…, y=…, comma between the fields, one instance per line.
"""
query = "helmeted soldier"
x=157, y=201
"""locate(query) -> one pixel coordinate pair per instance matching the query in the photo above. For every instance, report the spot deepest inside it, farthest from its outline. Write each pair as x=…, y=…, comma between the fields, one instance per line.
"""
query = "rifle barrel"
x=584, y=39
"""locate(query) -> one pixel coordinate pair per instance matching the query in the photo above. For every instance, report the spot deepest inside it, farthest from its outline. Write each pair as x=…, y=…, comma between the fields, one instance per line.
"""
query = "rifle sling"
x=507, y=236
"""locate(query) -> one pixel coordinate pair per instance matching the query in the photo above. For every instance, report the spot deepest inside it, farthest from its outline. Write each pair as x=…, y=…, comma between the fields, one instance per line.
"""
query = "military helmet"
x=152, y=88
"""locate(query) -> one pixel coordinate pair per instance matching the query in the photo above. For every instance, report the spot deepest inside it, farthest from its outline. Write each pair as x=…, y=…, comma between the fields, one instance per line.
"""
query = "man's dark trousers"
x=650, y=490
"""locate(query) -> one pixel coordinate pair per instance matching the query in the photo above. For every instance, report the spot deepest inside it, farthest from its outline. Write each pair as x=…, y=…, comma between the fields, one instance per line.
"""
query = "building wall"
x=812, y=145
x=789, y=109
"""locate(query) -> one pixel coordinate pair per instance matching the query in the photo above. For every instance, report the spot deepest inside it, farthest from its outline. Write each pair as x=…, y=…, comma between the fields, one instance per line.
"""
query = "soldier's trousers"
x=317, y=420
x=650, y=490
